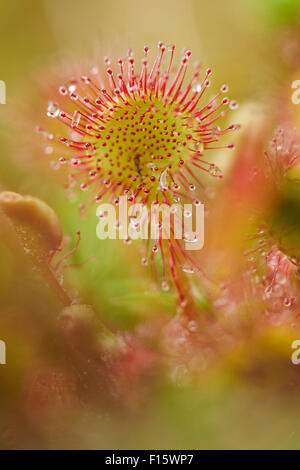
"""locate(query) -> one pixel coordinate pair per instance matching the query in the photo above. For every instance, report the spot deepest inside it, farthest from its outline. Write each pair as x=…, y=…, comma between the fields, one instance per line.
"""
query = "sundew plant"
x=144, y=135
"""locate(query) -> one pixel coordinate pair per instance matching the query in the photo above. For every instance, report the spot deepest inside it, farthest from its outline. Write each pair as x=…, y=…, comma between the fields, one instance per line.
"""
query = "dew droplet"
x=233, y=104
x=62, y=90
x=192, y=325
x=187, y=269
x=54, y=165
x=73, y=96
x=52, y=110
x=215, y=171
x=48, y=150
x=199, y=146
x=86, y=79
x=187, y=214
x=134, y=222
x=197, y=88
x=183, y=302
x=224, y=88
x=76, y=118
x=118, y=225
x=94, y=70
x=190, y=237
x=163, y=179
x=180, y=376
